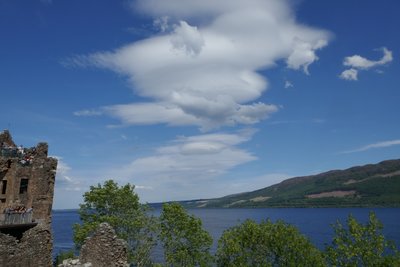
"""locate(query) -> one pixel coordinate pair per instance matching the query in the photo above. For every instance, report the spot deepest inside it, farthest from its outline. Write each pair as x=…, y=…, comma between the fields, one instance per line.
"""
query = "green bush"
x=266, y=244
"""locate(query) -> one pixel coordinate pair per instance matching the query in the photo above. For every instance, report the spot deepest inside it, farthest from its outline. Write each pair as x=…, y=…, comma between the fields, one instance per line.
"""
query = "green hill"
x=369, y=185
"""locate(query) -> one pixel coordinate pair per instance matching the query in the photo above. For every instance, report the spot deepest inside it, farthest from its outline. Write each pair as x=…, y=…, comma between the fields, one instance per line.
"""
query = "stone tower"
x=27, y=177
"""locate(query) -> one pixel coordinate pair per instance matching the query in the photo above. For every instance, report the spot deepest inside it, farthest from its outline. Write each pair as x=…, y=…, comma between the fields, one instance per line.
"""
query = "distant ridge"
x=372, y=185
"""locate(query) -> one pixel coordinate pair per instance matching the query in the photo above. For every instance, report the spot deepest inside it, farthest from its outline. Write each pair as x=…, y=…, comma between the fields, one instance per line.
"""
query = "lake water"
x=315, y=223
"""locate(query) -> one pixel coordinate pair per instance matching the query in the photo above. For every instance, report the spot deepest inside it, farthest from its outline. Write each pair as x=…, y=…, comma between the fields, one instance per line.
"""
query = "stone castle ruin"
x=27, y=177
x=102, y=249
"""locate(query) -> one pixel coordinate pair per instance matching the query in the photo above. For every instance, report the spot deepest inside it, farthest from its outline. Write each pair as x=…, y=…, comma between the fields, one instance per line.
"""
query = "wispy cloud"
x=88, y=113
x=143, y=187
x=178, y=167
x=288, y=84
x=357, y=63
x=162, y=24
x=374, y=146
x=204, y=72
x=257, y=182
x=63, y=179
x=306, y=121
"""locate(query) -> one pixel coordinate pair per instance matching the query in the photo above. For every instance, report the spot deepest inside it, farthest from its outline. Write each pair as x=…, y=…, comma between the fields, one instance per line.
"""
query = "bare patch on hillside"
x=236, y=202
x=352, y=181
x=259, y=199
x=338, y=193
x=202, y=203
x=390, y=174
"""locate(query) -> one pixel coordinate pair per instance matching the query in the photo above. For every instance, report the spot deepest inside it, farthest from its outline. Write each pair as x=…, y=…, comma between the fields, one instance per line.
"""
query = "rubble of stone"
x=74, y=263
x=27, y=177
x=34, y=248
x=102, y=249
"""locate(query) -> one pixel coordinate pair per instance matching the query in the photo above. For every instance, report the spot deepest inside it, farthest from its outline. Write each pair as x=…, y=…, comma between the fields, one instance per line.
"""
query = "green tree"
x=184, y=240
x=361, y=245
x=120, y=207
x=266, y=244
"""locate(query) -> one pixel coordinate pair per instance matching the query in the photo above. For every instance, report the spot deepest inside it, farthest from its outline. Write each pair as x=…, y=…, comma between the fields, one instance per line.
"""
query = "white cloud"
x=63, y=179
x=187, y=110
x=143, y=187
x=162, y=23
x=357, y=63
x=187, y=38
x=360, y=62
x=288, y=84
x=350, y=75
x=305, y=121
x=186, y=162
x=203, y=71
x=303, y=54
x=258, y=182
x=88, y=112
x=382, y=144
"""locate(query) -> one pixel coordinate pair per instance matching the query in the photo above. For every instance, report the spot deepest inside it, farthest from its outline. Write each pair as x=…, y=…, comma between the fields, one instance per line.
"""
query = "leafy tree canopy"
x=266, y=244
x=361, y=245
x=120, y=207
x=185, y=242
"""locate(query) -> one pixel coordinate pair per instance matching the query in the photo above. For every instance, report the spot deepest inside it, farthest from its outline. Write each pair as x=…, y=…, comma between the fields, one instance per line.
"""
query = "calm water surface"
x=315, y=223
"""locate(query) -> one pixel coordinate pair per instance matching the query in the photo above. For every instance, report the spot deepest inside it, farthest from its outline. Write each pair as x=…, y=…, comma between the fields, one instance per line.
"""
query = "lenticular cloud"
x=202, y=67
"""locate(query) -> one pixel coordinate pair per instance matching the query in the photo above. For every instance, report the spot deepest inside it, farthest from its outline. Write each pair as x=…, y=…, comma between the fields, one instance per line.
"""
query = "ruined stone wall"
x=33, y=250
x=27, y=177
x=102, y=249
x=38, y=172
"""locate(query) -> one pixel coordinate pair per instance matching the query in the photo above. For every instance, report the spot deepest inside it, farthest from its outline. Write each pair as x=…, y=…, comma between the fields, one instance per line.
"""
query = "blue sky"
x=198, y=99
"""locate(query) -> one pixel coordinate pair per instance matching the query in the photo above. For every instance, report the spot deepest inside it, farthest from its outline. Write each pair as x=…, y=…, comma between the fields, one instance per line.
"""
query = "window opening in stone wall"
x=23, y=186
x=3, y=186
